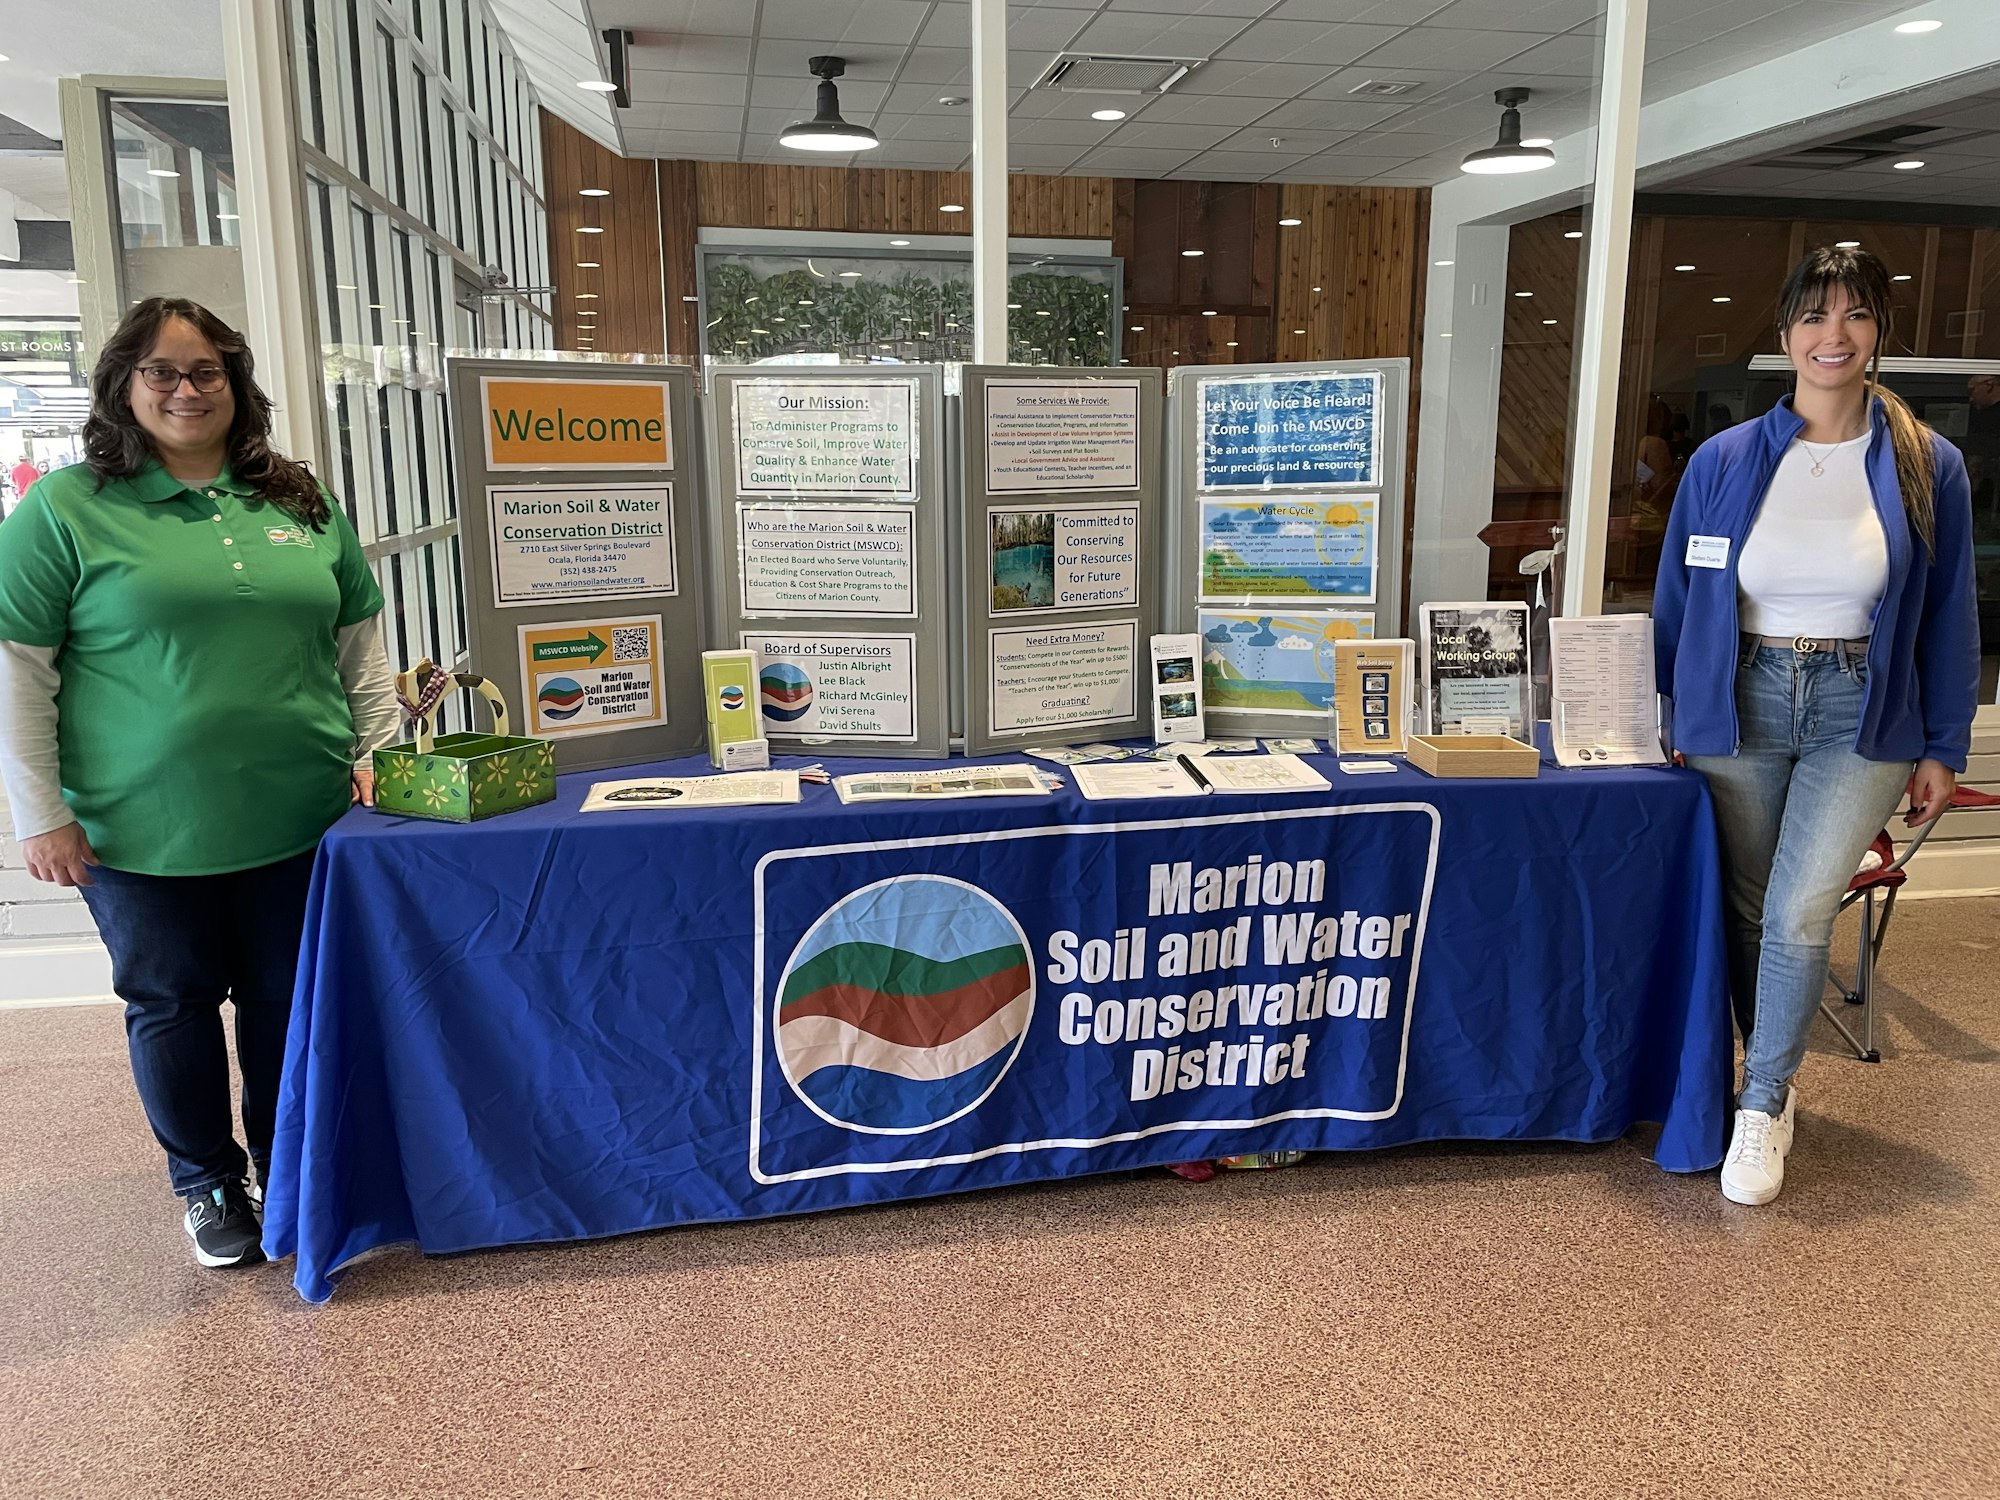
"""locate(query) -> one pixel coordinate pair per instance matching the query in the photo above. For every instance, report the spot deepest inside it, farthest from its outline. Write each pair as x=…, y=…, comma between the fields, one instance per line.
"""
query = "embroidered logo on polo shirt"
x=288, y=536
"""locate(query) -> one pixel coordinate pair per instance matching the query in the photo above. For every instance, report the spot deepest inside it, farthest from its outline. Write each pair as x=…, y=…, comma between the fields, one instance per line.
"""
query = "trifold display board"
x=827, y=551
x=578, y=521
x=1287, y=493
x=1061, y=543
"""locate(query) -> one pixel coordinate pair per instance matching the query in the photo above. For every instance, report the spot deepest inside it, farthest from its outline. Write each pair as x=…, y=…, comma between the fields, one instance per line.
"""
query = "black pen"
x=1201, y=781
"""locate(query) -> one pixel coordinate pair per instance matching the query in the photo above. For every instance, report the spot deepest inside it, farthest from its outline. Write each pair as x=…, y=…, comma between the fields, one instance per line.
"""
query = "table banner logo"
x=935, y=1001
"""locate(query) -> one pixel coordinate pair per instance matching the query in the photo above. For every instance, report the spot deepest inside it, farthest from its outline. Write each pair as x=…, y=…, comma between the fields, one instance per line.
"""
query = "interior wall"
x=1349, y=274
x=626, y=289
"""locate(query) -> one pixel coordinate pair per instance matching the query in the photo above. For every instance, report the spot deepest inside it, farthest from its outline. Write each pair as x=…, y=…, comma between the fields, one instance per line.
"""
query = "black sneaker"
x=224, y=1229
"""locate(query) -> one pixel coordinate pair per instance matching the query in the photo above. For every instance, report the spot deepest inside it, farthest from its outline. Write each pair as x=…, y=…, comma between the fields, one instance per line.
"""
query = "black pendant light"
x=826, y=131
x=1507, y=154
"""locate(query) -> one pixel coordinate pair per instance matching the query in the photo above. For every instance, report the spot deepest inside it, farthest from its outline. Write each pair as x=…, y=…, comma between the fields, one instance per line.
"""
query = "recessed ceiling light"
x=161, y=172
x=1548, y=322
x=1683, y=268
x=1041, y=312
x=1290, y=223
x=1904, y=277
x=586, y=296
x=1315, y=289
x=1231, y=344
x=1718, y=299
x=1444, y=262
x=951, y=208
x=1138, y=327
x=1208, y=312
x=849, y=275
x=588, y=229
x=1572, y=234
x=897, y=244
x=806, y=302
x=1107, y=114
x=1191, y=254
x=593, y=192
x=760, y=330
x=1298, y=330
x=1908, y=166
x=1847, y=244
x=1524, y=294
x=689, y=297
x=597, y=85
x=1918, y=28
x=1013, y=307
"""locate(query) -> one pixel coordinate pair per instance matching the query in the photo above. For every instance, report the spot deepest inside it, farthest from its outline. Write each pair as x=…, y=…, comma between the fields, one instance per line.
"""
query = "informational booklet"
x=1231, y=746
x=1260, y=773
x=1065, y=755
x=1177, y=707
x=1136, y=778
x=1604, y=702
x=744, y=789
x=1473, y=662
x=1372, y=686
x=936, y=786
x=1292, y=747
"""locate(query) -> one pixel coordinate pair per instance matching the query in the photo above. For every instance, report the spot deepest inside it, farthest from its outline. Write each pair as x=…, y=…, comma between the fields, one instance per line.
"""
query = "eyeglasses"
x=207, y=379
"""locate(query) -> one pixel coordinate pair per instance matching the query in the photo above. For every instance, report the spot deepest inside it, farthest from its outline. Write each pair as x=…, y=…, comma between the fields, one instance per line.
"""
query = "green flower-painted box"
x=461, y=778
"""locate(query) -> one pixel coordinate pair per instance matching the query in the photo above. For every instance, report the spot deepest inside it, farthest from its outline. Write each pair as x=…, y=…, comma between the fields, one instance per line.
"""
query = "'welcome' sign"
x=576, y=424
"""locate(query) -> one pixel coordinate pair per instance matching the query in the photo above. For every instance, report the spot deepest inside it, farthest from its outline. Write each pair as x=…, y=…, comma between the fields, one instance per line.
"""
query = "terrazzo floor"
x=1455, y=1321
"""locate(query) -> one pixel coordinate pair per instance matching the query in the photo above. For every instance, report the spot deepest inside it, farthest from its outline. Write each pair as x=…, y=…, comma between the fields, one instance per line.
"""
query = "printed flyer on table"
x=826, y=437
x=836, y=687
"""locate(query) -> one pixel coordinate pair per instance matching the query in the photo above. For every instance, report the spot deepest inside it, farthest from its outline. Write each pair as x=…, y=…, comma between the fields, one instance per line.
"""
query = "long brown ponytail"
x=1864, y=278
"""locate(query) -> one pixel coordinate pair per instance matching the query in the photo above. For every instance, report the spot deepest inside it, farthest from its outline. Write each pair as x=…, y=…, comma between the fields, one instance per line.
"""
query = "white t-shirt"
x=1816, y=562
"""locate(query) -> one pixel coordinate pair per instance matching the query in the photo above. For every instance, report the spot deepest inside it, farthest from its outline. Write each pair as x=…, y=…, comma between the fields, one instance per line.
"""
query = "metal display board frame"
x=494, y=630
x=923, y=499
x=978, y=504
x=1184, y=561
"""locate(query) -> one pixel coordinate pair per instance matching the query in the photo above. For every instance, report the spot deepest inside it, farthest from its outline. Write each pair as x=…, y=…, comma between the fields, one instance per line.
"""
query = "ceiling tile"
x=1296, y=142
x=1257, y=164
x=692, y=145
x=1373, y=12
x=1171, y=136
x=1248, y=80
x=1561, y=57
x=654, y=51
x=662, y=116
x=1057, y=131
x=870, y=22
x=1151, y=34
x=686, y=88
x=939, y=125
x=661, y=17
x=1306, y=42
x=1333, y=114
x=1114, y=162
x=858, y=96
x=1205, y=109
x=1441, y=48
x=1547, y=16
x=1242, y=8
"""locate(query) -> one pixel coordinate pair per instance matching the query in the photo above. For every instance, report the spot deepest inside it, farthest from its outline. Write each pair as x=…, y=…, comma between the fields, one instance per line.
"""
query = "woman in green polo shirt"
x=191, y=684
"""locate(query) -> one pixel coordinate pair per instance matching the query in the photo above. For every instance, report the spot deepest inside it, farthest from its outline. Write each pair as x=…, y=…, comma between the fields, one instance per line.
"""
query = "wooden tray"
x=1482, y=755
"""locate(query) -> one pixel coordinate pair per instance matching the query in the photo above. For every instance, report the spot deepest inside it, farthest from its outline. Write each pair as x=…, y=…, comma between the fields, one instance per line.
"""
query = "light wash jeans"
x=1796, y=809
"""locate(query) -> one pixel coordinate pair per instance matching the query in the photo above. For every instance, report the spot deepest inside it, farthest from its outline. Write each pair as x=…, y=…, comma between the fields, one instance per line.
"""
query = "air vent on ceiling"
x=1711, y=346
x=1384, y=88
x=1870, y=146
x=1090, y=73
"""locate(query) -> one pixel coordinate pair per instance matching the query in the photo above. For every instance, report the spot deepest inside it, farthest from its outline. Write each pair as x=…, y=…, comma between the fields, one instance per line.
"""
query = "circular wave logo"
x=905, y=1005
x=786, y=692
x=560, y=698
x=731, y=696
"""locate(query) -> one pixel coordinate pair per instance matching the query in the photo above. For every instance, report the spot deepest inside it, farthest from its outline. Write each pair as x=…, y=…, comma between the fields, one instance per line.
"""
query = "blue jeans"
x=180, y=945
x=1796, y=809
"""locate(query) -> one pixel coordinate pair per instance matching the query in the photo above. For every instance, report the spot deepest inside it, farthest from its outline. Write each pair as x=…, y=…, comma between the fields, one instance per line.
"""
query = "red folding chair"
x=1878, y=882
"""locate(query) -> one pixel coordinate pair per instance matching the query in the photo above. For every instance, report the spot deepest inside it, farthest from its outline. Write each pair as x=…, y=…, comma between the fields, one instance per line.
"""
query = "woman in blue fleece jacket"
x=1818, y=633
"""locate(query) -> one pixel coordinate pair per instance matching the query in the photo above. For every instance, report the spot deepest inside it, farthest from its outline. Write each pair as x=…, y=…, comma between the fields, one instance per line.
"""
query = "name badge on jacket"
x=1708, y=552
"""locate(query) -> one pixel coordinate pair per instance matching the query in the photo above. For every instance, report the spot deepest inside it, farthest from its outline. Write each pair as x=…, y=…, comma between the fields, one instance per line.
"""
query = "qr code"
x=631, y=643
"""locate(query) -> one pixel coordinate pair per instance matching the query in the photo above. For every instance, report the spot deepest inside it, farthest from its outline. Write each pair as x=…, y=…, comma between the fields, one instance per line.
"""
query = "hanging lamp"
x=1507, y=154
x=826, y=130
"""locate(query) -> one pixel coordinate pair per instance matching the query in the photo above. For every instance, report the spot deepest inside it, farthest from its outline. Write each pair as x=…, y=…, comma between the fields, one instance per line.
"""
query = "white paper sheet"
x=1604, y=698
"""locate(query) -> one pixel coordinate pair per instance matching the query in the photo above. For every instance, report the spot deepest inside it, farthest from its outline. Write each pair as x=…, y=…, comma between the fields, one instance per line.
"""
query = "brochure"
x=1292, y=747
x=1141, y=778
x=1604, y=699
x=1372, y=684
x=745, y=789
x=1177, y=706
x=928, y=786
x=1473, y=662
x=1258, y=774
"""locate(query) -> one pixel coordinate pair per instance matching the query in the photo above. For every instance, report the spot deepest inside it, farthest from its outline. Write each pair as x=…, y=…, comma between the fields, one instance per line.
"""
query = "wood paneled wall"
x=625, y=286
x=1350, y=273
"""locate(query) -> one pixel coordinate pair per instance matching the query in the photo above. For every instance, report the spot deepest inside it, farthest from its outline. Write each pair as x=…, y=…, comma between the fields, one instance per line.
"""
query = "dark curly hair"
x=115, y=446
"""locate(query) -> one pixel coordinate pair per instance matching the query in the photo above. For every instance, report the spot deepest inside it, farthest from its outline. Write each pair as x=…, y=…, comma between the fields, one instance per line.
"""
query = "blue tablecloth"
x=558, y=1025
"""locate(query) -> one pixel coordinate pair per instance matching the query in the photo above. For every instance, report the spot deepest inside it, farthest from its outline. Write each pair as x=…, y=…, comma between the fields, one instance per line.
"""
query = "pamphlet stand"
x=827, y=552
x=1285, y=490
x=579, y=507
x=1060, y=540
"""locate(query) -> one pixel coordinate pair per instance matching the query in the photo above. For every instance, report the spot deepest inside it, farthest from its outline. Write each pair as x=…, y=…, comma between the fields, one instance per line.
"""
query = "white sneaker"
x=1754, y=1170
